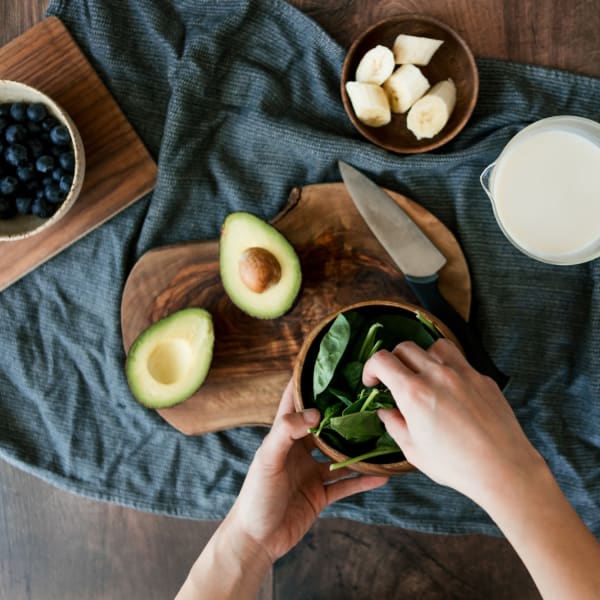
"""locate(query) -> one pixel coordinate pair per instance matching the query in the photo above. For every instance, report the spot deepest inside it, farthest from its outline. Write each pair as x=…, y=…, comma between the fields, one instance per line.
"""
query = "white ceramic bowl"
x=24, y=226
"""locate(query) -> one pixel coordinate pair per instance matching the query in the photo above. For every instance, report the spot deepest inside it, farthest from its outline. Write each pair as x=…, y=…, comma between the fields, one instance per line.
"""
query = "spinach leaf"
x=358, y=427
x=385, y=445
x=331, y=350
x=330, y=412
x=342, y=395
x=352, y=373
x=398, y=328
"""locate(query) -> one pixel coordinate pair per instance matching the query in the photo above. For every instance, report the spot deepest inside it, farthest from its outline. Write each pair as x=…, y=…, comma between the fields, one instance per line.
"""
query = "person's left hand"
x=286, y=488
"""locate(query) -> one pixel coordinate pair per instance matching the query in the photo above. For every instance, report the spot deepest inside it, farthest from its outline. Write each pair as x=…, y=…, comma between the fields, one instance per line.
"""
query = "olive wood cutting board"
x=119, y=169
x=342, y=263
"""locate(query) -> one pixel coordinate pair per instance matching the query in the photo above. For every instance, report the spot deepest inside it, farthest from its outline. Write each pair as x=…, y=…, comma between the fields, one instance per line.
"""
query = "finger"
x=446, y=352
x=413, y=356
x=384, y=367
x=286, y=404
x=285, y=431
x=395, y=425
x=347, y=487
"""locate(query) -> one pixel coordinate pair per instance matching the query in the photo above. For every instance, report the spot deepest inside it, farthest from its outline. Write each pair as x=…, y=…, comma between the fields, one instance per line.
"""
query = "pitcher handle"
x=484, y=179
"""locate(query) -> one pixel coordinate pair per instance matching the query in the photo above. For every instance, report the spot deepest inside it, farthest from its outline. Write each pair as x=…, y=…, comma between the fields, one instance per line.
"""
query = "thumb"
x=285, y=431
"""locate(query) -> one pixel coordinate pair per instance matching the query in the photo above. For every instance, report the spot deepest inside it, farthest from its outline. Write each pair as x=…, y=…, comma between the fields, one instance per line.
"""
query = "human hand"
x=286, y=488
x=453, y=423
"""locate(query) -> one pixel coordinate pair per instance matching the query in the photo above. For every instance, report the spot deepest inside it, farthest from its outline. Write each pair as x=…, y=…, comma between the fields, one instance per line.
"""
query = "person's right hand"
x=452, y=423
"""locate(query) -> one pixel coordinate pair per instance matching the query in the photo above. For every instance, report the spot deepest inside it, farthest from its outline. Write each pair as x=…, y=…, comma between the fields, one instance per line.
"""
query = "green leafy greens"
x=349, y=420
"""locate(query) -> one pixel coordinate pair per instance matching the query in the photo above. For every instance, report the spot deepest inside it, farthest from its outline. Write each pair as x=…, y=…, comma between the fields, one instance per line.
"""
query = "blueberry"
x=56, y=151
x=36, y=148
x=8, y=185
x=41, y=208
x=14, y=154
x=57, y=174
x=32, y=186
x=34, y=129
x=18, y=111
x=25, y=171
x=53, y=193
x=7, y=208
x=65, y=183
x=23, y=204
x=39, y=193
x=49, y=122
x=3, y=124
x=60, y=136
x=36, y=112
x=67, y=161
x=46, y=181
x=15, y=133
x=44, y=164
x=4, y=110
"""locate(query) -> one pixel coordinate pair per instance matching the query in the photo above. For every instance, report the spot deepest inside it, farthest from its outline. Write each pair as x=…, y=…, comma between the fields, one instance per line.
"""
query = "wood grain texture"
x=54, y=545
x=119, y=169
x=543, y=32
x=346, y=560
x=58, y=546
x=342, y=263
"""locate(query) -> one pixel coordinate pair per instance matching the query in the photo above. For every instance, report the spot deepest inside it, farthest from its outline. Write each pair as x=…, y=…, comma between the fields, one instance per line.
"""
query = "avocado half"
x=169, y=361
x=260, y=269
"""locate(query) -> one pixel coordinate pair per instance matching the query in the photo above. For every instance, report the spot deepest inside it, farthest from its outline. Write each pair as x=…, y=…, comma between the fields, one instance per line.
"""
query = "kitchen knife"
x=418, y=259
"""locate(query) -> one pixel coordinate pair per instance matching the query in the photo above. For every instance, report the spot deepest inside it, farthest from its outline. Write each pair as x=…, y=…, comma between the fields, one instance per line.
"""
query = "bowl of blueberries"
x=42, y=161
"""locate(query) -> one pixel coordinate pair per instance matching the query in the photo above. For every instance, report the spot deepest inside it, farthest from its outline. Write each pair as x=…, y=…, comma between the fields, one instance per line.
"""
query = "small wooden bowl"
x=303, y=369
x=24, y=226
x=453, y=59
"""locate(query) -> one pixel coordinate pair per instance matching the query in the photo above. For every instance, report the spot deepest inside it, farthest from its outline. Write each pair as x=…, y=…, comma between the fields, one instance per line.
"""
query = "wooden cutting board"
x=119, y=169
x=342, y=263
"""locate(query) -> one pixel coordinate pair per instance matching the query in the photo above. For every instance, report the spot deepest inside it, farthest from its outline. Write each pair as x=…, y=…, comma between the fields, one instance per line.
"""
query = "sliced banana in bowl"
x=429, y=77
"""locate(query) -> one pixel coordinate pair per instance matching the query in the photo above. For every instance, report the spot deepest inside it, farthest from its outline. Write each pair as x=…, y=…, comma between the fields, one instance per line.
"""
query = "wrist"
x=248, y=552
x=231, y=566
x=520, y=490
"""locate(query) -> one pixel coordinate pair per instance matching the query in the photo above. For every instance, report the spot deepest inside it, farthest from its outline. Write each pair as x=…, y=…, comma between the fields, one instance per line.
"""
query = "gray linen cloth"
x=238, y=102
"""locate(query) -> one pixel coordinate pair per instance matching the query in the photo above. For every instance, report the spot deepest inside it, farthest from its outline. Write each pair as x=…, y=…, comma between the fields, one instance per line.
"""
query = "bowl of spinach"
x=328, y=376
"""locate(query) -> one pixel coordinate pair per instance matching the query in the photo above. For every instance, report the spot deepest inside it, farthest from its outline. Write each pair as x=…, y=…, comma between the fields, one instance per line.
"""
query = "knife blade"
x=418, y=259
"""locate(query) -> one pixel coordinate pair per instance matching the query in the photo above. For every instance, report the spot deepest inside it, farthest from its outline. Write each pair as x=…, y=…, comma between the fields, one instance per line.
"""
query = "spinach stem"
x=366, y=455
x=367, y=345
x=374, y=393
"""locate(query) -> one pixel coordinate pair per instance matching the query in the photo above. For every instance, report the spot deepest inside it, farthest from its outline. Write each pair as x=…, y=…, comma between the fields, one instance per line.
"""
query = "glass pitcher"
x=545, y=190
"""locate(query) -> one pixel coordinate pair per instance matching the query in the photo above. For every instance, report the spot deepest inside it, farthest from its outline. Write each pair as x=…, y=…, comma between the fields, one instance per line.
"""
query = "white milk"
x=545, y=188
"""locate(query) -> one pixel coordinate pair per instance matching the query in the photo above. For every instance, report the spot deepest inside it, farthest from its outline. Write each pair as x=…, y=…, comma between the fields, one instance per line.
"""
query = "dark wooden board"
x=342, y=263
x=119, y=169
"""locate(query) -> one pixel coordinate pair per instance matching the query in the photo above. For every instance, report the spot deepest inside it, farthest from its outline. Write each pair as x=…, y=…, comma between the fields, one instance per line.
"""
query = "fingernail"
x=311, y=416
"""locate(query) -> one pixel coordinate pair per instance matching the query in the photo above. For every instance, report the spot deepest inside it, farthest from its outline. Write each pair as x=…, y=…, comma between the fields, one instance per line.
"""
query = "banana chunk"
x=369, y=102
x=428, y=116
x=406, y=85
x=415, y=50
x=376, y=65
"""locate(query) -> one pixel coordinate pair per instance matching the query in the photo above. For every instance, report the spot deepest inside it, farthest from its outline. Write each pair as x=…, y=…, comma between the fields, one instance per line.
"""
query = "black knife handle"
x=427, y=291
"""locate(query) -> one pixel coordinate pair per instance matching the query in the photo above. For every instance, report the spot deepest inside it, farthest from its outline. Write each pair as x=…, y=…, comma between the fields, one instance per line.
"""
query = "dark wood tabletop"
x=54, y=545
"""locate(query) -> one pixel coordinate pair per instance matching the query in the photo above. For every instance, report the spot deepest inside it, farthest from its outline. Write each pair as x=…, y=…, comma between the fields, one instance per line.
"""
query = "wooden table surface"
x=54, y=545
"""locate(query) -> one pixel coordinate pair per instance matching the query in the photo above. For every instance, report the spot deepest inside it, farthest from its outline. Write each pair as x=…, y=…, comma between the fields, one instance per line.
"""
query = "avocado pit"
x=259, y=269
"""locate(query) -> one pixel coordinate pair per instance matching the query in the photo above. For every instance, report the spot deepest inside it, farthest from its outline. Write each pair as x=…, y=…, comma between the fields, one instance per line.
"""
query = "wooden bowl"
x=303, y=369
x=453, y=59
x=24, y=226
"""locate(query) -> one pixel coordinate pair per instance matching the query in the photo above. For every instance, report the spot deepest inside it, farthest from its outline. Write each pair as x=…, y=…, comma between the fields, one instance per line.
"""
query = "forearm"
x=230, y=567
x=560, y=553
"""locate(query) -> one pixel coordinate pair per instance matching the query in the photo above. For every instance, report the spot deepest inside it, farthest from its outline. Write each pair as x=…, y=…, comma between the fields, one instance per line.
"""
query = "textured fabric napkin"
x=238, y=102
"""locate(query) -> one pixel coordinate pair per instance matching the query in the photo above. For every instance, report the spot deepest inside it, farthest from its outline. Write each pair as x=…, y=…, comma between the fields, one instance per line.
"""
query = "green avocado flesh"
x=169, y=361
x=260, y=269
